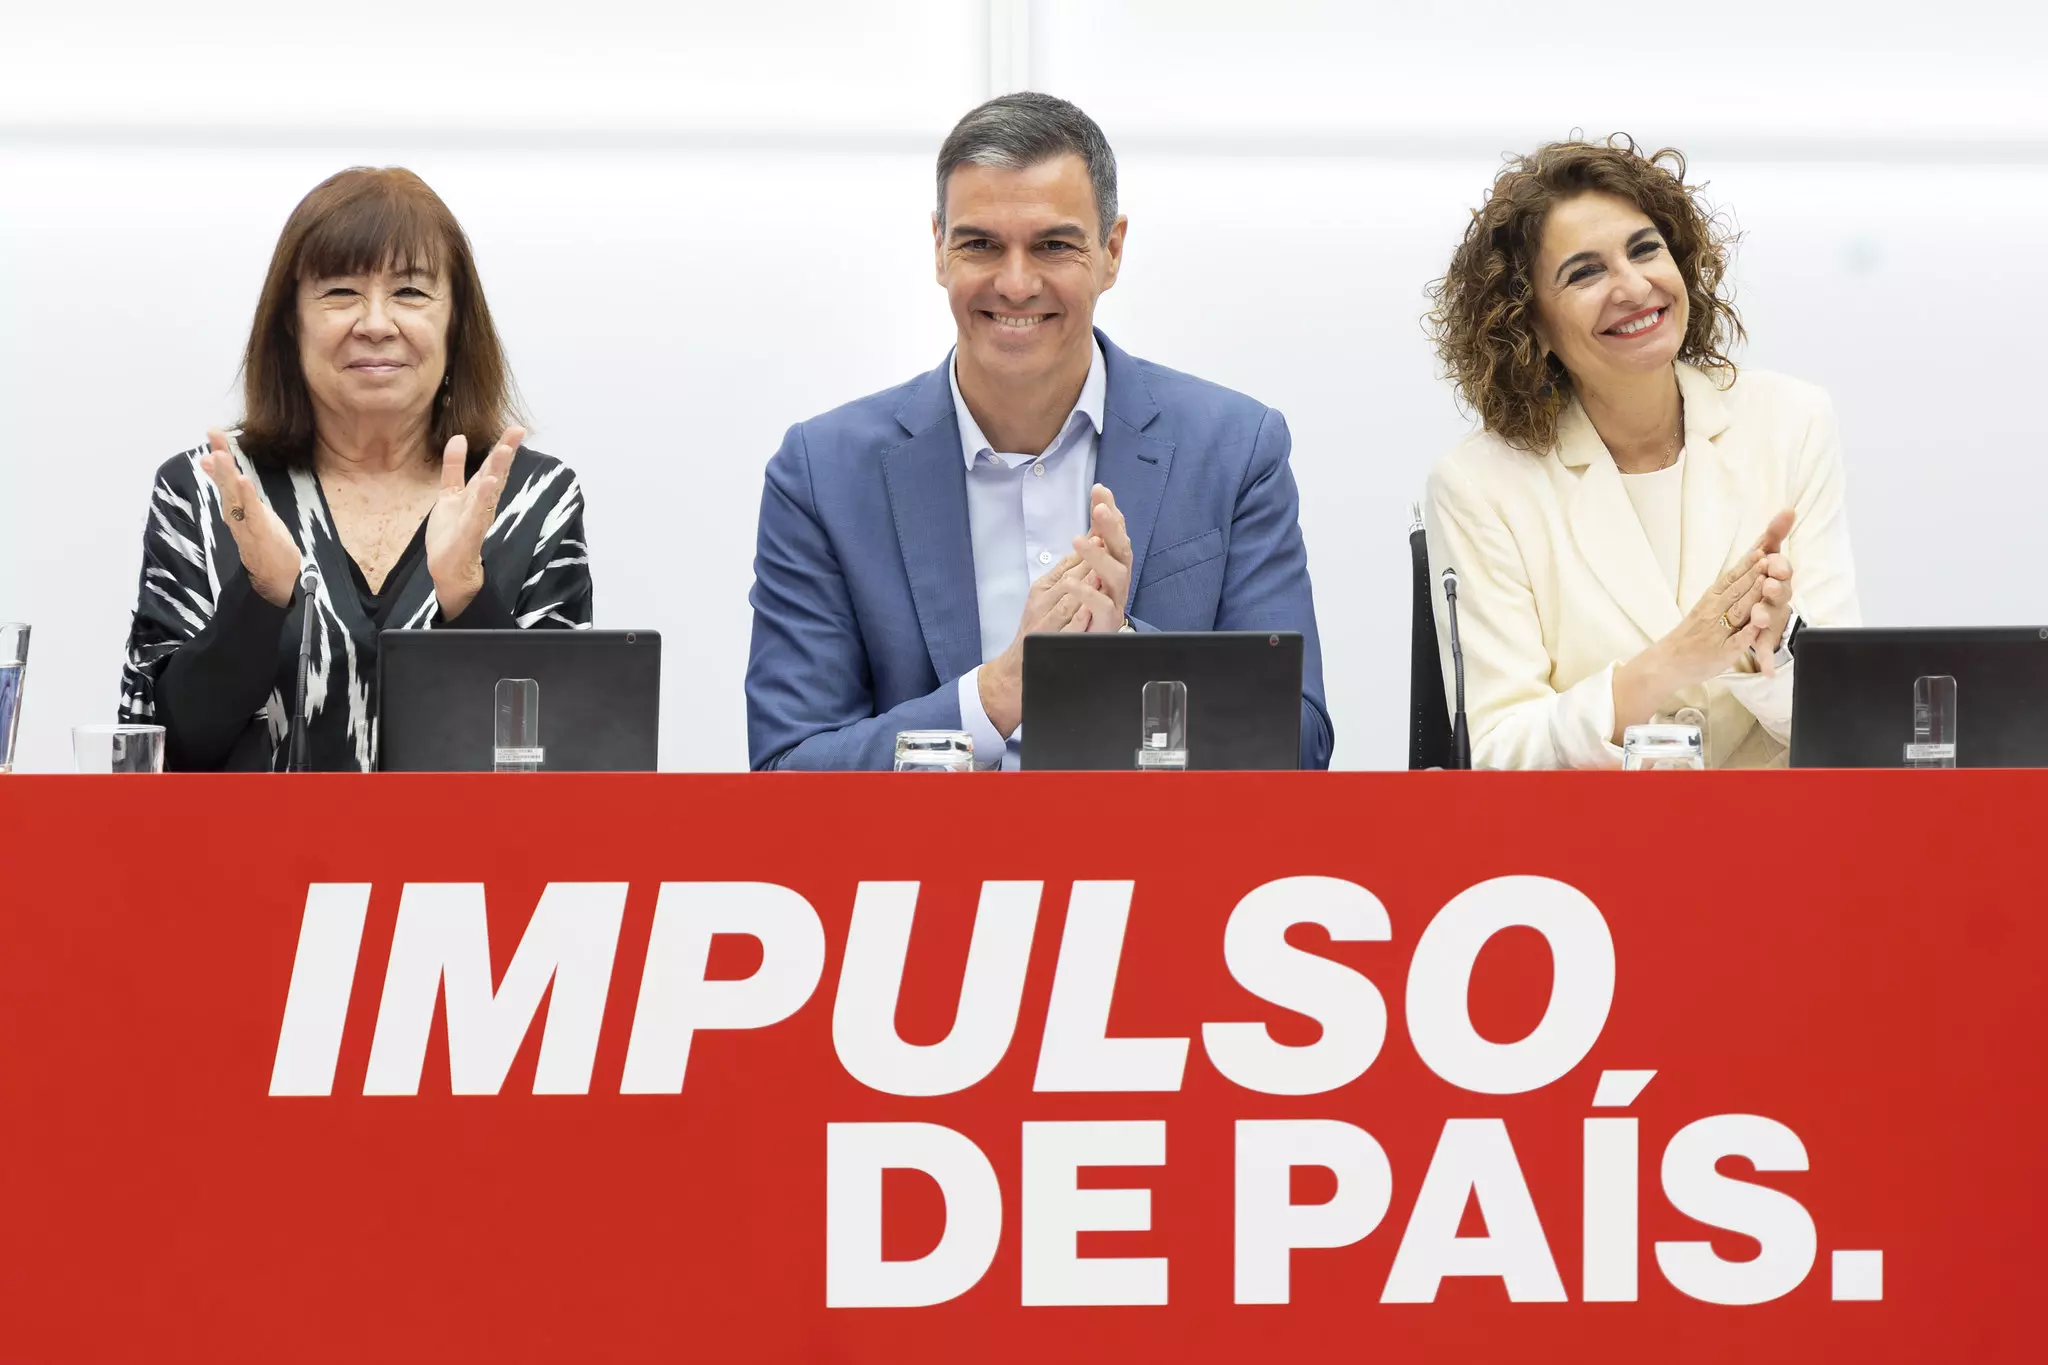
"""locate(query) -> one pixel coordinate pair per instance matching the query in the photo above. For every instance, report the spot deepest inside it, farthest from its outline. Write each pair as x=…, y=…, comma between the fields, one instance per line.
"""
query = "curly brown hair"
x=1484, y=314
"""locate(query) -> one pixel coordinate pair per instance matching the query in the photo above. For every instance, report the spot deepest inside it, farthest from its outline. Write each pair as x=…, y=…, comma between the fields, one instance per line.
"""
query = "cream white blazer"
x=1558, y=583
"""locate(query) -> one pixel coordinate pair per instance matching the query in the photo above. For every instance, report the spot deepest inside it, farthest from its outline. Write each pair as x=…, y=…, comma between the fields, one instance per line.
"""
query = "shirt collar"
x=1094, y=393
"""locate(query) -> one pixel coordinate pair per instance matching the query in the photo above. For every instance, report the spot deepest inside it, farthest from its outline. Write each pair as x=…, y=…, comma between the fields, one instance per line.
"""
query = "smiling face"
x=1022, y=257
x=374, y=345
x=1611, y=302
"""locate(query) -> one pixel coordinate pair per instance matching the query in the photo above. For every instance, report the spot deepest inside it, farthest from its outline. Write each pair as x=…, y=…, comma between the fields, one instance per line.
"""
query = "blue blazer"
x=864, y=602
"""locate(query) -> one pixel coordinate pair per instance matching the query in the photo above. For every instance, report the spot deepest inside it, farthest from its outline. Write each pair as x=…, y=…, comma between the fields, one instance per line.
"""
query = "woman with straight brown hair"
x=373, y=385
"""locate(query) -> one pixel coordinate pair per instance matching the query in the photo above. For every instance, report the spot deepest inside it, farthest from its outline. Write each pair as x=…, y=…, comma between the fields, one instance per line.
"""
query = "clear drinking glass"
x=1934, y=722
x=1656, y=748
x=13, y=666
x=516, y=735
x=1163, y=726
x=118, y=748
x=934, y=751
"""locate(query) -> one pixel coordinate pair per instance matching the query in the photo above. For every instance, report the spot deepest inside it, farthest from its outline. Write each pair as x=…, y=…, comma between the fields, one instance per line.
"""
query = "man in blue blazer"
x=1041, y=479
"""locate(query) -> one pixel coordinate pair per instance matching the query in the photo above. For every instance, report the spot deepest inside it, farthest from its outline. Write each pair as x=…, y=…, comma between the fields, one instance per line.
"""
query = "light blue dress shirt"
x=1023, y=512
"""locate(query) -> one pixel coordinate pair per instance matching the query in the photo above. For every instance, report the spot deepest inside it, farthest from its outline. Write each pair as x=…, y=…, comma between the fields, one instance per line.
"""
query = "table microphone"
x=309, y=593
x=1461, y=740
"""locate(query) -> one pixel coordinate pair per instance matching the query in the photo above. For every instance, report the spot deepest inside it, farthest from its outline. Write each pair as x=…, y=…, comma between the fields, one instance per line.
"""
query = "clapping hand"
x=1051, y=605
x=1105, y=548
x=1085, y=592
x=461, y=516
x=1746, y=610
x=269, y=554
x=1773, y=609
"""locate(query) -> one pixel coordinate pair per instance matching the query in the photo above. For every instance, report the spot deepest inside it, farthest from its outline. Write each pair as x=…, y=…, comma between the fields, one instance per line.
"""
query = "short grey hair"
x=1017, y=131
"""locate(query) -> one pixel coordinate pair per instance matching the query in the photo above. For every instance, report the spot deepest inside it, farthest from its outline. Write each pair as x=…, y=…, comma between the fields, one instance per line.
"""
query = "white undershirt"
x=1658, y=496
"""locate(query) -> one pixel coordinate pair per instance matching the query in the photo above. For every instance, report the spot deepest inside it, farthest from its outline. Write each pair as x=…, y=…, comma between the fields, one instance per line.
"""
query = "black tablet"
x=1852, y=694
x=598, y=695
x=1084, y=698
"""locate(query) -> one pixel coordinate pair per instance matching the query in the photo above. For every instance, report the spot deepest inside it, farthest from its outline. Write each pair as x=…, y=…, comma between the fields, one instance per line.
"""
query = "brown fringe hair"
x=359, y=221
x=1483, y=318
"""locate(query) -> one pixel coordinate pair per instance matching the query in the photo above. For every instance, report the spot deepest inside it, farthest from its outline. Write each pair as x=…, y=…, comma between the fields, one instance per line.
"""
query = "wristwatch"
x=1789, y=640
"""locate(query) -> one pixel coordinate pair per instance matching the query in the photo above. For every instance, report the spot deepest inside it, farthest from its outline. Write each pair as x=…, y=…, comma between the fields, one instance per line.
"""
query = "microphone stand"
x=1461, y=739
x=309, y=603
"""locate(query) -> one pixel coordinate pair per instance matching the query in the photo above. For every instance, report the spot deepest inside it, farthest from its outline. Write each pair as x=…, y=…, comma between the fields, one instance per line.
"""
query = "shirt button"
x=1045, y=556
x=1038, y=471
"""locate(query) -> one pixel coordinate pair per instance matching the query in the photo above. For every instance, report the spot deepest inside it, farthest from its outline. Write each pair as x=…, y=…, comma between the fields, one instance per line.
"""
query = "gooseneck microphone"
x=1461, y=740
x=309, y=604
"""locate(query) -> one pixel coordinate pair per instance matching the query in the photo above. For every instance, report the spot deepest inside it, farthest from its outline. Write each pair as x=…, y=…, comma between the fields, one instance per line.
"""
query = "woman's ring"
x=239, y=515
x=1726, y=624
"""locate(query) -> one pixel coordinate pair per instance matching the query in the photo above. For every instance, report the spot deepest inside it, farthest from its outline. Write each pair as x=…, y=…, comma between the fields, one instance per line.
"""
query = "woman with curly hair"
x=1638, y=531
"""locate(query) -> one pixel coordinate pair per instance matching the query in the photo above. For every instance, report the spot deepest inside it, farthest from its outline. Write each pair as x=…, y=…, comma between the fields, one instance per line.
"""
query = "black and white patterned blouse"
x=216, y=665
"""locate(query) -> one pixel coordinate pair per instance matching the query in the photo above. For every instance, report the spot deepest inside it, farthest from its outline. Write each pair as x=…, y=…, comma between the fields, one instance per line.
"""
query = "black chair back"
x=1429, y=713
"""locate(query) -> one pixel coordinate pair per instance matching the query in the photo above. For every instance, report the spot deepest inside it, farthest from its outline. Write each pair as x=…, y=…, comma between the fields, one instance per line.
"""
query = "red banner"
x=1111, y=1068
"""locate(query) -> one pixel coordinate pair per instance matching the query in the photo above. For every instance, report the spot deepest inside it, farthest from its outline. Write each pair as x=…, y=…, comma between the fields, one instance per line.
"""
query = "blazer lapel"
x=1607, y=531
x=1129, y=463
x=1712, y=518
x=927, y=482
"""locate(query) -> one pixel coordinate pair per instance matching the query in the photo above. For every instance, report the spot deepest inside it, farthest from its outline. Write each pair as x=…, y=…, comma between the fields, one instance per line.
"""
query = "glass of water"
x=934, y=751
x=1656, y=748
x=13, y=664
x=118, y=748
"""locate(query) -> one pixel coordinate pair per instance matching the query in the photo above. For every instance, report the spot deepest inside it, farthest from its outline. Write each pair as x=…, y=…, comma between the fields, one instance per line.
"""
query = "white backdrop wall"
x=699, y=224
